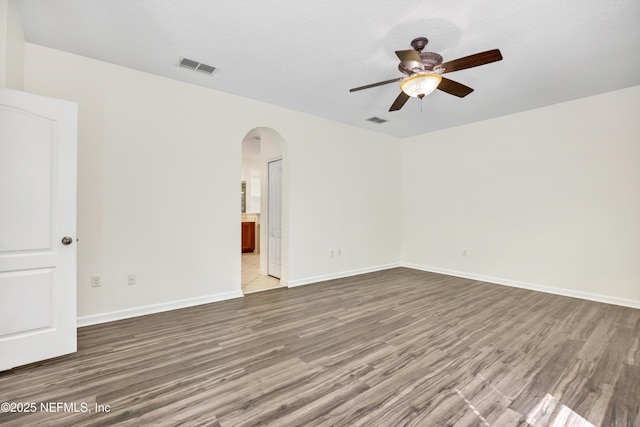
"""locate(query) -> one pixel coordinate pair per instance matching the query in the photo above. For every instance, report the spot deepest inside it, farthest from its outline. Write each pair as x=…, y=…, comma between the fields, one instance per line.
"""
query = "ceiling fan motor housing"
x=429, y=59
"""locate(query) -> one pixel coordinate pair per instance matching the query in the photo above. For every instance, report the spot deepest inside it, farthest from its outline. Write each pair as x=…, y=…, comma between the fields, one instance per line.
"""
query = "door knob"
x=67, y=240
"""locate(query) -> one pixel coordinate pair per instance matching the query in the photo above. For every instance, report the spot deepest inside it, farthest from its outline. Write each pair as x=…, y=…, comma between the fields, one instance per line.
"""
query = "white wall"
x=548, y=197
x=251, y=173
x=159, y=166
x=11, y=46
x=349, y=200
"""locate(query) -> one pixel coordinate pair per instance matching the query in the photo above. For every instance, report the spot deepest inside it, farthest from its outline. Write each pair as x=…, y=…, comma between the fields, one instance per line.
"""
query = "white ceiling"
x=305, y=55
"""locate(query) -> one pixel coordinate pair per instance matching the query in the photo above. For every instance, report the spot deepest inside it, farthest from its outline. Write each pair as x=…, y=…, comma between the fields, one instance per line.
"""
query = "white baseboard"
x=340, y=275
x=530, y=286
x=111, y=316
x=95, y=319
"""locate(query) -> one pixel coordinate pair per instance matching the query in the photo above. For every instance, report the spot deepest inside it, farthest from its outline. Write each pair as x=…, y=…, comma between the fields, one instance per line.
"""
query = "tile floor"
x=252, y=280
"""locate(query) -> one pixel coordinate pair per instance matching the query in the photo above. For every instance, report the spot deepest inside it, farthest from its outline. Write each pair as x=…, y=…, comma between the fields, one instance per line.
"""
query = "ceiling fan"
x=424, y=72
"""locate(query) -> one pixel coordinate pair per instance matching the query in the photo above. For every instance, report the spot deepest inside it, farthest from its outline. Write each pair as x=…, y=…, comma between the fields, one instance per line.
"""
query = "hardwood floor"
x=393, y=348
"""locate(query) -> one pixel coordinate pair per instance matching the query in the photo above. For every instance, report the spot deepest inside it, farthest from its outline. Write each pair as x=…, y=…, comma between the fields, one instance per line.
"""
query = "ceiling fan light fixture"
x=420, y=85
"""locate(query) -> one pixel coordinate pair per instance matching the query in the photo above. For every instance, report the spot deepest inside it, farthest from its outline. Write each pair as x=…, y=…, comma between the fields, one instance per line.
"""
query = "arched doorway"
x=265, y=201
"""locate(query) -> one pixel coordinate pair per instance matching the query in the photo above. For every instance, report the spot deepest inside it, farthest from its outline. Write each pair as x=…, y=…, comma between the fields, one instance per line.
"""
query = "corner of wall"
x=11, y=46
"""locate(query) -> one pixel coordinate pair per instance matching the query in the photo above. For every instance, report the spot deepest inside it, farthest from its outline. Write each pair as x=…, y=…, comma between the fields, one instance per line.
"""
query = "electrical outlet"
x=331, y=253
x=96, y=281
x=464, y=252
x=131, y=279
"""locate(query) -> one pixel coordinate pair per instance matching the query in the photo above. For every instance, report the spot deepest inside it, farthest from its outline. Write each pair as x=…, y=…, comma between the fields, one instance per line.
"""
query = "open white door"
x=274, y=201
x=38, y=141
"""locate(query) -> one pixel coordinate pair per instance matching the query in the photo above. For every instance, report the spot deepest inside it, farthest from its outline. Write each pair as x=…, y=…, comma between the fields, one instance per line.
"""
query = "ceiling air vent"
x=204, y=68
x=376, y=120
x=196, y=66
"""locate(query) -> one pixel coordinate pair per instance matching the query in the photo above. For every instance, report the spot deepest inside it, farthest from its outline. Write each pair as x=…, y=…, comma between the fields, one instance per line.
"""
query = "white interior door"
x=274, y=202
x=38, y=141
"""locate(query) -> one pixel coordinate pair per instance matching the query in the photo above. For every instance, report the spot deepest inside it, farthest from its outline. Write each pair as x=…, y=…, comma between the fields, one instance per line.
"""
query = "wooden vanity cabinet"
x=248, y=236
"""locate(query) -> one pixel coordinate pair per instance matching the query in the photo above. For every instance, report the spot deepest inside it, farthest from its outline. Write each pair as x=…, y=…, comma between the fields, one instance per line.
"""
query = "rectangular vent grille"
x=196, y=66
x=377, y=120
x=204, y=68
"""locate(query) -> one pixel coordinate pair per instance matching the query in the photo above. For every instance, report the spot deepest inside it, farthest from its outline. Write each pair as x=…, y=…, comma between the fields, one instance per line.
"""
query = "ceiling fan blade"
x=454, y=88
x=399, y=102
x=411, y=59
x=386, y=82
x=472, y=61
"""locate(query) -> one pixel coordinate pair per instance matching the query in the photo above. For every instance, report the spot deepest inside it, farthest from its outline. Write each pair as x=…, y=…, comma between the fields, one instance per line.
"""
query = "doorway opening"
x=264, y=201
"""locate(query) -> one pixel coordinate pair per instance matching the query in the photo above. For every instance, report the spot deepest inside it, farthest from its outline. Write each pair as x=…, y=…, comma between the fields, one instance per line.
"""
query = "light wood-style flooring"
x=393, y=348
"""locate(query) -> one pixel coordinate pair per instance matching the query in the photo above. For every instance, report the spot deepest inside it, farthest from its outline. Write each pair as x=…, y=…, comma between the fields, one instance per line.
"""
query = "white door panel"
x=274, y=201
x=25, y=189
x=35, y=310
x=38, y=139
